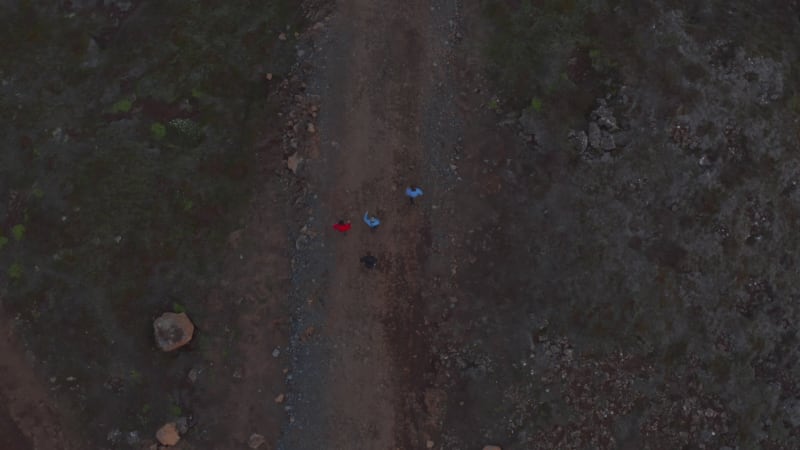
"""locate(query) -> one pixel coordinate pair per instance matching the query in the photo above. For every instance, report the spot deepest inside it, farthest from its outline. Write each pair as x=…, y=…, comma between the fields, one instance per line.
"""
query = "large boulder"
x=173, y=331
x=168, y=434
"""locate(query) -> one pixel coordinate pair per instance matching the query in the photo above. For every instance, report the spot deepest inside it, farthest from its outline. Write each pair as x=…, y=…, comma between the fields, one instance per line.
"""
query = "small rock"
x=279, y=398
x=293, y=162
x=276, y=352
x=311, y=128
x=579, y=140
x=192, y=376
x=607, y=141
x=622, y=139
x=168, y=434
x=282, y=36
x=429, y=444
x=605, y=118
x=183, y=424
x=269, y=76
x=255, y=441
x=132, y=438
x=173, y=331
x=491, y=447
x=114, y=436
x=594, y=135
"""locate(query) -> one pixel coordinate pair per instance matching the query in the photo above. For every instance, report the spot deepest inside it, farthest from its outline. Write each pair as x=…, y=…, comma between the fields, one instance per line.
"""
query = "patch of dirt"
x=29, y=419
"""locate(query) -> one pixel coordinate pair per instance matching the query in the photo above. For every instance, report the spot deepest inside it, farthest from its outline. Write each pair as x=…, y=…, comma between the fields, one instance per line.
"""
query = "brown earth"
x=29, y=419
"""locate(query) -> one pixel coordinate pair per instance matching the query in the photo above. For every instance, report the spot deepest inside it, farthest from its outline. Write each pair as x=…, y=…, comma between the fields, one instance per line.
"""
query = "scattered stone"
x=173, y=331
x=183, y=424
x=132, y=438
x=114, y=436
x=276, y=352
x=594, y=135
x=605, y=118
x=311, y=128
x=256, y=440
x=293, y=162
x=607, y=141
x=279, y=398
x=269, y=76
x=579, y=140
x=622, y=139
x=168, y=434
x=192, y=376
x=491, y=447
x=282, y=36
x=429, y=444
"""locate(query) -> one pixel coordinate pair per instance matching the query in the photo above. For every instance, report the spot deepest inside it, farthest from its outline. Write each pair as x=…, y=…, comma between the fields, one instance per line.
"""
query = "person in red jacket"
x=342, y=226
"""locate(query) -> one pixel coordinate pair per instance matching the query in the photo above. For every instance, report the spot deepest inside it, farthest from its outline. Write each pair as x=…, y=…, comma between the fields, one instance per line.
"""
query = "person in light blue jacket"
x=413, y=192
x=372, y=222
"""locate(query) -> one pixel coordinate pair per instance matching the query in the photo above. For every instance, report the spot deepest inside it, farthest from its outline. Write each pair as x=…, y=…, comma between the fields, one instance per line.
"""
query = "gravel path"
x=355, y=351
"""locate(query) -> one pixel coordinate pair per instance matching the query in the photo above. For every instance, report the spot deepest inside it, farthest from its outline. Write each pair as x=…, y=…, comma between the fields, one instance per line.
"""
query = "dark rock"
x=594, y=135
x=607, y=141
x=579, y=140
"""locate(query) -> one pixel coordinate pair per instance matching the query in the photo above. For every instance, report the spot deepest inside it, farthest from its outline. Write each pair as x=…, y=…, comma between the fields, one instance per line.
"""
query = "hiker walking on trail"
x=413, y=192
x=372, y=222
x=369, y=261
x=342, y=226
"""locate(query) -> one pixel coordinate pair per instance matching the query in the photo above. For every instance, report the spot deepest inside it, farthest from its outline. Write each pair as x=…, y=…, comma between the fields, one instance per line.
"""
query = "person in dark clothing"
x=369, y=261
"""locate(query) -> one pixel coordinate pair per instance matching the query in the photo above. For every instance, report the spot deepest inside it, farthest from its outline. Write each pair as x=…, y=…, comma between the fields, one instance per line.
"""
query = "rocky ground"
x=603, y=257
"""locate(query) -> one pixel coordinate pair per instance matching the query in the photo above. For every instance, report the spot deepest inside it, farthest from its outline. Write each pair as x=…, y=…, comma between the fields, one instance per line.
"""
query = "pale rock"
x=256, y=440
x=168, y=434
x=293, y=162
x=173, y=331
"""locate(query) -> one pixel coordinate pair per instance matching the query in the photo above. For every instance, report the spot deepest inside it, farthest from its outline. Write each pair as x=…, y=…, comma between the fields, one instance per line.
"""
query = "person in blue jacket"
x=413, y=192
x=372, y=222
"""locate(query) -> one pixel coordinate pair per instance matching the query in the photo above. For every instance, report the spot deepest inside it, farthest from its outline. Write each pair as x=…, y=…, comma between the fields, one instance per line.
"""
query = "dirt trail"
x=28, y=419
x=372, y=94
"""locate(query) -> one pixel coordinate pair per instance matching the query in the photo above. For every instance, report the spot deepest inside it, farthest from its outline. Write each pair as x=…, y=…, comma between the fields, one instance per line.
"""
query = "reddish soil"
x=29, y=419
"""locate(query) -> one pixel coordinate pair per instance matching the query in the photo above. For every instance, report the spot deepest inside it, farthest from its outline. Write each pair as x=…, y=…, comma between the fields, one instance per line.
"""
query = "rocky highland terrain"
x=604, y=257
